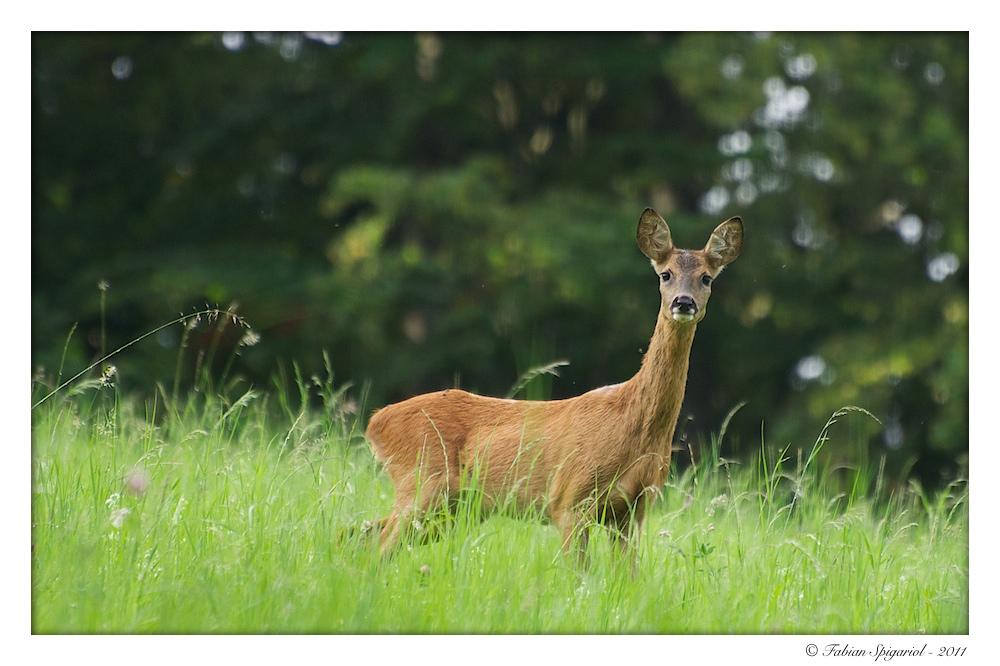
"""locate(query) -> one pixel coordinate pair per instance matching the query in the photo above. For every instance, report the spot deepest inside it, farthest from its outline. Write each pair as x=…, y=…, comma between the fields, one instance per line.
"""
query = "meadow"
x=212, y=515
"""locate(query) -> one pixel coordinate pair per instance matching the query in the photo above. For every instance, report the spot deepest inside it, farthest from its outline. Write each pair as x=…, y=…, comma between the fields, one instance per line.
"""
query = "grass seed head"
x=108, y=375
x=250, y=338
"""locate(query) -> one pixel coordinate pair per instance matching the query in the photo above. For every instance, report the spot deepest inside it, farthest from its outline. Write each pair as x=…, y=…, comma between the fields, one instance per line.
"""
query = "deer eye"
x=706, y=280
x=666, y=275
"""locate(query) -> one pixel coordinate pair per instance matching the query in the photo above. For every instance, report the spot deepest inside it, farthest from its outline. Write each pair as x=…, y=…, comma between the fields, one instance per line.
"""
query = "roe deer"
x=595, y=458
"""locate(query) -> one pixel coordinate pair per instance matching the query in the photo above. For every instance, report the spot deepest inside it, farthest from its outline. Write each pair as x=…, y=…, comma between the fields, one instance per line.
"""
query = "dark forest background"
x=447, y=209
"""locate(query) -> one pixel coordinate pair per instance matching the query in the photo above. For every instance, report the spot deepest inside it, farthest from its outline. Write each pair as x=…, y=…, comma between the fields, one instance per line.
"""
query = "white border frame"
x=511, y=15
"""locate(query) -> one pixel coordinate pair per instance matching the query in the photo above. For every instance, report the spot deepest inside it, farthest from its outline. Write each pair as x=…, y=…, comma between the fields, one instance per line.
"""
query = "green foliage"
x=233, y=516
x=442, y=209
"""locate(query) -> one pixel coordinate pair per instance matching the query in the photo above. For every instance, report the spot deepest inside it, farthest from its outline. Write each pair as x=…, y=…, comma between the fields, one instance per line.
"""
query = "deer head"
x=686, y=276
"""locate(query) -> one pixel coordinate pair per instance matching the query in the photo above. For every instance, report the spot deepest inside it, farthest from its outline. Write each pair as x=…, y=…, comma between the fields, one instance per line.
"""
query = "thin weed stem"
x=62, y=359
x=211, y=312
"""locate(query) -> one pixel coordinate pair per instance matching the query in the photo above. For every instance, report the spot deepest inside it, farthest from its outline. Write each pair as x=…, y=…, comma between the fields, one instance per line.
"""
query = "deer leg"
x=391, y=525
x=390, y=533
x=623, y=538
x=575, y=536
x=409, y=507
x=573, y=521
x=572, y=511
x=625, y=532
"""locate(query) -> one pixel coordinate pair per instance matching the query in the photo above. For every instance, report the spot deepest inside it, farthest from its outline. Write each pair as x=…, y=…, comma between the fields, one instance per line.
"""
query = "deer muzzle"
x=683, y=308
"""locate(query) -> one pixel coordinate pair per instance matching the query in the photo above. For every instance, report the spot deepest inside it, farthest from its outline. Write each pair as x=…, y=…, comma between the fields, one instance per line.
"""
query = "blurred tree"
x=442, y=208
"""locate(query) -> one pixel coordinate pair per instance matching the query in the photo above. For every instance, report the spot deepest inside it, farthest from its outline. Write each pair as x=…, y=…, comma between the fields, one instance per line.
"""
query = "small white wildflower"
x=118, y=517
x=103, y=285
x=417, y=525
x=367, y=527
x=112, y=500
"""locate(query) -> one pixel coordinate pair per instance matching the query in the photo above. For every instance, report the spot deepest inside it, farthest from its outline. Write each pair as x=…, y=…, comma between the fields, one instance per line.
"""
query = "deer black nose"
x=684, y=305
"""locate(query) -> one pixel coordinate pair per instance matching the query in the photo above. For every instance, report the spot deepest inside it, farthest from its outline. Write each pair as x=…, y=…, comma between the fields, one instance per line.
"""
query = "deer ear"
x=653, y=236
x=726, y=242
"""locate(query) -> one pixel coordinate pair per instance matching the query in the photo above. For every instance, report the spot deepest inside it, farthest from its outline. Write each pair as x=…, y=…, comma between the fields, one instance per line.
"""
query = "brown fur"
x=598, y=457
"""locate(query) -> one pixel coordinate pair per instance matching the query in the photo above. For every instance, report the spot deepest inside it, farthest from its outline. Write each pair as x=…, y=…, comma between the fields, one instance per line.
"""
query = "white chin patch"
x=682, y=316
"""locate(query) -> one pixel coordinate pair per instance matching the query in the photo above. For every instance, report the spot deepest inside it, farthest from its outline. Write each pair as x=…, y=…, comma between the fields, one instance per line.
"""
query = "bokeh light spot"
x=121, y=67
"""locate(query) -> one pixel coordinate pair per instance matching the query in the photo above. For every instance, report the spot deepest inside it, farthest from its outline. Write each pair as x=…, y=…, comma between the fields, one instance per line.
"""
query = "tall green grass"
x=203, y=514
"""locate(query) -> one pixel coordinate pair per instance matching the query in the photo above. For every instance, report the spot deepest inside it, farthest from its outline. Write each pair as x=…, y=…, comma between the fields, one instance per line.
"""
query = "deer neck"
x=657, y=390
